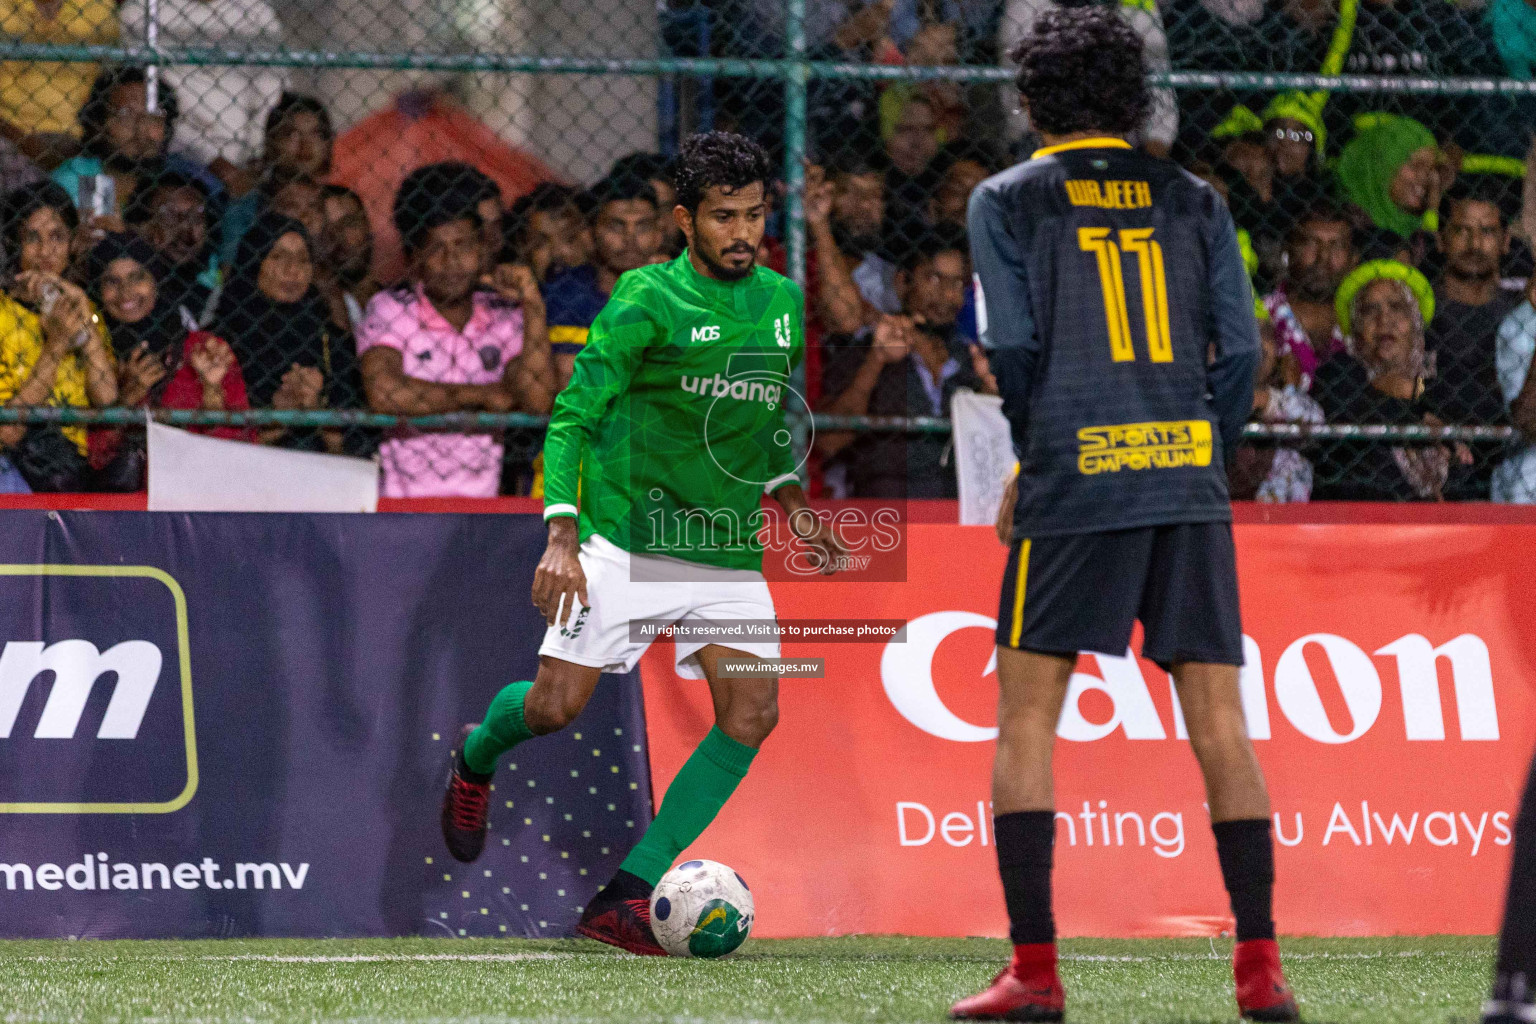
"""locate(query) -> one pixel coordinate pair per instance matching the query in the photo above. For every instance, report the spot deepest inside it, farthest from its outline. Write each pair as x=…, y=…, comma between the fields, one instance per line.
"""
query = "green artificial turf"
x=874, y=979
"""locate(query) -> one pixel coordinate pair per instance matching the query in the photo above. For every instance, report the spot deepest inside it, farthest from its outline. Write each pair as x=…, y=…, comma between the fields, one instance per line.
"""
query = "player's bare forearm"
x=791, y=498
x=559, y=582
x=809, y=527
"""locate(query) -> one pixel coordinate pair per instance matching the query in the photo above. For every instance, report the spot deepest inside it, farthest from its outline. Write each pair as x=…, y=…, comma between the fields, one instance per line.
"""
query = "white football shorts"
x=624, y=587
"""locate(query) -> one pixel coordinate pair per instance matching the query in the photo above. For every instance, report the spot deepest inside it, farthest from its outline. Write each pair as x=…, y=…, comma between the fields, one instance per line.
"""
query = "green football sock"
x=707, y=780
x=502, y=730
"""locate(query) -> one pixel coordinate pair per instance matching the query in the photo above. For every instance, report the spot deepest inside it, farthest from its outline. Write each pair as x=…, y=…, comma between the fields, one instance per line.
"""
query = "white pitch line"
x=563, y=1019
x=361, y=958
x=373, y=958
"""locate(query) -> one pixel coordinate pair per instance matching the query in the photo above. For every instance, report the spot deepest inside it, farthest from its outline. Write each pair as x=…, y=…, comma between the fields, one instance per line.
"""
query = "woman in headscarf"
x=1271, y=167
x=1383, y=378
x=275, y=319
x=1296, y=139
x=162, y=365
x=53, y=350
x=1390, y=172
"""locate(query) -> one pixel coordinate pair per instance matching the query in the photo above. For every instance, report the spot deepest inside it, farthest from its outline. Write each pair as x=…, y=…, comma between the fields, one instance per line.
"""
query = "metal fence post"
x=152, y=44
x=796, y=75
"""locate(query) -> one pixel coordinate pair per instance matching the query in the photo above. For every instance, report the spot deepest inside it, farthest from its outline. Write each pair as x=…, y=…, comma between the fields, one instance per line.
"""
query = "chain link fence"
x=385, y=228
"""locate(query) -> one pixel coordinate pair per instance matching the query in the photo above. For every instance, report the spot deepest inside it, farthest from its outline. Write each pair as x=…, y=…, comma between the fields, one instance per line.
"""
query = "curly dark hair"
x=721, y=160
x=1082, y=69
x=435, y=195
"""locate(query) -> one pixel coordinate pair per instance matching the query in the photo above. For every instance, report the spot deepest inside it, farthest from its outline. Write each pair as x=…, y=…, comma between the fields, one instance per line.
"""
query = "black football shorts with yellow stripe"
x=1084, y=591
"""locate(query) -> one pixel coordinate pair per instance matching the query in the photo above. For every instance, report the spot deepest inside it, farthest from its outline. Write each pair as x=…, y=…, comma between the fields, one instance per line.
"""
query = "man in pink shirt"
x=440, y=343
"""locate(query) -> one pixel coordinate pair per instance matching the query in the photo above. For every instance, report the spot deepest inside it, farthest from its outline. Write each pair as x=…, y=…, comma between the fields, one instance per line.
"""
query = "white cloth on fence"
x=192, y=473
x=984, y=456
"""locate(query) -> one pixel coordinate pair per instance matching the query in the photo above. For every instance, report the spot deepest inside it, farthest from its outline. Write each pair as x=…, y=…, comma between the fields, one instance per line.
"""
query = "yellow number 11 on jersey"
x=1154, y=290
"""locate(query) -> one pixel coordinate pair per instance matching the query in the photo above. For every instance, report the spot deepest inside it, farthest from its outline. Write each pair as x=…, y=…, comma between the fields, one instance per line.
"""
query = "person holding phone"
x=53, y=346
x=126, y=144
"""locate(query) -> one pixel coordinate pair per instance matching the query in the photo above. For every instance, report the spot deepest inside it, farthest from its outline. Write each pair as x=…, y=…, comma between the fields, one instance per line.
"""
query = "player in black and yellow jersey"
x=1117, y=316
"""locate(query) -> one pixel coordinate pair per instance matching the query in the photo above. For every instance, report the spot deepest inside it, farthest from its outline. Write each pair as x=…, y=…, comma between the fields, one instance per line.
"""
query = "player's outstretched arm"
x=559, y=583
x=827, y=548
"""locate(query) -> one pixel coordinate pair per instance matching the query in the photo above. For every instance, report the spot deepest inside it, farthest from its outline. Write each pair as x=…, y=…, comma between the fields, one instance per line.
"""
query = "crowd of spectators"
x=177, y=240
x=1387, y=232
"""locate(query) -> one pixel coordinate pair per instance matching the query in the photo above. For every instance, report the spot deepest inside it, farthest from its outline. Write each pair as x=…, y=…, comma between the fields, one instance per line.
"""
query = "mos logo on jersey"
x=95, y=691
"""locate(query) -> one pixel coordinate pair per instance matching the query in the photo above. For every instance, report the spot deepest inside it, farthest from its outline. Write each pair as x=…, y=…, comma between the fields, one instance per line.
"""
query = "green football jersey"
x=672, y=428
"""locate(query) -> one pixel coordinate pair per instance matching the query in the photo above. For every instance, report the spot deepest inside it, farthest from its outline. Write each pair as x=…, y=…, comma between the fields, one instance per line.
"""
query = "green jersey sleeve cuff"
x=550, y=511
x=774, y=484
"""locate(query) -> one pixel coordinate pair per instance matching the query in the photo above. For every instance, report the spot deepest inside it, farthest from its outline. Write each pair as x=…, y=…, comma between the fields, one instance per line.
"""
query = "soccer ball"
x=701, y=908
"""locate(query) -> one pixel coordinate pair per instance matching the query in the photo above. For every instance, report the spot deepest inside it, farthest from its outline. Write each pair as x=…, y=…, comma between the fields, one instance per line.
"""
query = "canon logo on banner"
x=76, y=666
x=906, y=669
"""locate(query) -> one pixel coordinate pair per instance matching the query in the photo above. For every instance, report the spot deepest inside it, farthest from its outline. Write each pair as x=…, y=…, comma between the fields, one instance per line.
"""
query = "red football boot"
x=466, y=807
x=619, y=916
x=1026, y=990
x=1262, y=991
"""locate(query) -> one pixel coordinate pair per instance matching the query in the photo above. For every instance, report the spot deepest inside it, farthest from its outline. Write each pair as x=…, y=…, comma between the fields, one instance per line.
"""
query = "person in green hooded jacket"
x=1391, y=173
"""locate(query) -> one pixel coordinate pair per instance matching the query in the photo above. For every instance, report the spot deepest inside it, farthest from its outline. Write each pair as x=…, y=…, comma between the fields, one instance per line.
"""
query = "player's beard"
x=723, y=272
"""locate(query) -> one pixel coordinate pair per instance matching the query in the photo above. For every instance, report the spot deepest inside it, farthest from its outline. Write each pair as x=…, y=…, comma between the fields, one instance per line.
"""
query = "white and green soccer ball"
x=701, y=908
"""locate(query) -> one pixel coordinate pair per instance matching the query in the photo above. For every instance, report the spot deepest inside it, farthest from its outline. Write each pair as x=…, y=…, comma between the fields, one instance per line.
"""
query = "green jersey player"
x=656, y=461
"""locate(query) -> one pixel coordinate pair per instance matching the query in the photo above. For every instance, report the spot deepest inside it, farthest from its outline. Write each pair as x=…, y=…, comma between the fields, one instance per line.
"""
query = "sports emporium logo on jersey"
x=95, y=691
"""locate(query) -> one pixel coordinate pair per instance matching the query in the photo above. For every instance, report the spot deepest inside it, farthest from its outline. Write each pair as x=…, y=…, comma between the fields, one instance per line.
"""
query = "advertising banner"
x=216, y=725
x=1390, y=688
